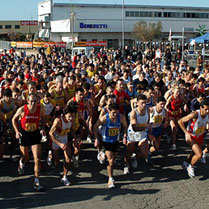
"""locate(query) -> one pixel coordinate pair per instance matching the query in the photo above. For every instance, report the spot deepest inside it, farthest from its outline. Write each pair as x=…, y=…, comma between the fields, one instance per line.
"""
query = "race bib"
x=200, y=130
x=65, y=132
x=142, y=125
x=30, y=126
x=113, y=131
x=177, y=112
x=158, y=119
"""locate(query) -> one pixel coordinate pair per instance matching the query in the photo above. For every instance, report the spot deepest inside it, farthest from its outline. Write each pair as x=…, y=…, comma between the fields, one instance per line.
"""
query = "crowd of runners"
x=104, y=98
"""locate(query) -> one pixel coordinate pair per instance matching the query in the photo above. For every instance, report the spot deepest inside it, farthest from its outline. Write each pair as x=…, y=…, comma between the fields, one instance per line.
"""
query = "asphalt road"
x=165, y=185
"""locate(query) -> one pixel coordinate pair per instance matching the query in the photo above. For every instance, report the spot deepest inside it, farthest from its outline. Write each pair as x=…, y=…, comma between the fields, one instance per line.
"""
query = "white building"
x=90, y=22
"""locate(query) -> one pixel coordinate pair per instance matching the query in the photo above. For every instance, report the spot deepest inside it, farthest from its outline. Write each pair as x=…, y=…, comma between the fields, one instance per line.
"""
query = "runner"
x=137, y=132
x=29, y=134
x=59, y=135
x=173, y=106
x=158, y=115
x=194, y=135
x=110, y=136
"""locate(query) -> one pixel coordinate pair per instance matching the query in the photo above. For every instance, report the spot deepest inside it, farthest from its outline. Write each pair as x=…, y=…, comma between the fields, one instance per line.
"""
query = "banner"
x=57, y=44
x=38, y=44
x=24, y=44
x=91, y=43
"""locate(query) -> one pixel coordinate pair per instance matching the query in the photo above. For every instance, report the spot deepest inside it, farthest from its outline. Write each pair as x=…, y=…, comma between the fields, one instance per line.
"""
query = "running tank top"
x=47, y=107
x=88, y=96
x=71, y=91
x=111, y=133
x=175, y=106
x=197, y=127
x=7, y=109
x=30, y=121
x=157, y=118
x=65, y=127
x=81, y=106
x=150, y=103
x=142, y=121
x=59, y=98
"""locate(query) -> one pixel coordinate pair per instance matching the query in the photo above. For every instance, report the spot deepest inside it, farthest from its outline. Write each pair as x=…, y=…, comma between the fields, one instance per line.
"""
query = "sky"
x=28, y=9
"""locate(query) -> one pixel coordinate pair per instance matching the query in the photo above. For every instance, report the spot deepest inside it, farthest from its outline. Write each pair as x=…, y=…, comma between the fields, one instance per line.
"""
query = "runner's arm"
x=56, y=126
x=99, y=122
x=15, y=118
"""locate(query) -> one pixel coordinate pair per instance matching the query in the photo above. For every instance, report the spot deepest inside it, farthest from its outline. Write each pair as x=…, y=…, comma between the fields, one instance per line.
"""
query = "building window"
x=8, y=26
x=166, y=14
x=17, y=26
x=1, y=27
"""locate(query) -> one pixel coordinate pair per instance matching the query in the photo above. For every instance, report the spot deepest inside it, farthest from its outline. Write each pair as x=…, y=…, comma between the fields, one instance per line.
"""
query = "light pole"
x=182, y=56
x=122, y=44
x=72, y=18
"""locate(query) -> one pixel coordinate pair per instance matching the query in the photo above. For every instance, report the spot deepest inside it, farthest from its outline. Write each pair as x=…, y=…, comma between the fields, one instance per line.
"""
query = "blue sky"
x=27, y=9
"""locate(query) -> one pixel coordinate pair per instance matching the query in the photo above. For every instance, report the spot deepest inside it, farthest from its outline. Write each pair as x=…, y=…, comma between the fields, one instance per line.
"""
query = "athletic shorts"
x=137, y=136
x=30, y=138
x=198, y=139
x=113, y=147
x=156, y=131
x=62, y=139
x=174, y=115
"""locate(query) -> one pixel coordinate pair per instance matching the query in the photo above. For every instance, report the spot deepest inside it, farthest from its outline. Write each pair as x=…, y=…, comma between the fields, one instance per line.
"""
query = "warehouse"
x=99, y=22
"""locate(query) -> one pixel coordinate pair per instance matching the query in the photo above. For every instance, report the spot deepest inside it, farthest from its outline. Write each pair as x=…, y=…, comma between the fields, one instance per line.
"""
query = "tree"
x=147, y=32
x=201, y=30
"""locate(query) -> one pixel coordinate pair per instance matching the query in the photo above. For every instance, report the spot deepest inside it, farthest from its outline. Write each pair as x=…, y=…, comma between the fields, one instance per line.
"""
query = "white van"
x=81, y=49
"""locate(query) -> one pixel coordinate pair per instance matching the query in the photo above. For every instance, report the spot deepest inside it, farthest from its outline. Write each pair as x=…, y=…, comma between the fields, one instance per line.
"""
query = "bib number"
x=30, y=126
x=113, y=132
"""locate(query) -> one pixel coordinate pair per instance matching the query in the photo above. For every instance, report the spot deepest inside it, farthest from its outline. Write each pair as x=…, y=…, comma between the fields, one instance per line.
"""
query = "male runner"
x=110, y=136
x=59, y=134
x=29, y=134
x=194, y=134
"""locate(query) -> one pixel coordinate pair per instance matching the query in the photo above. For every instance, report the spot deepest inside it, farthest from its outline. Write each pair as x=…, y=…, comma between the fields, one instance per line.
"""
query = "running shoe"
x=37, y=186
x=149, y=159
x=190, y=170
x=49, y=158
x=76, y=161
x=203, y=159
x=21, y=167
x=173, y=147
x=126, y=170
x=101, y=157
x=65, y=181
x=44, y=139
x=89, y=139
x=111, y=184
x=134, y=162
x=185, y=165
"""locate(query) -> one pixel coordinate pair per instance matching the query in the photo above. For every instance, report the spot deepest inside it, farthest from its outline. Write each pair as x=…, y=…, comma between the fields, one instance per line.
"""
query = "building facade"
x=97, y=22
x=9, y=29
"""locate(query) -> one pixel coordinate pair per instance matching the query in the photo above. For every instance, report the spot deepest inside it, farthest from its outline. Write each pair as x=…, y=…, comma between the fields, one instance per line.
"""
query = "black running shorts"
x=30, y=138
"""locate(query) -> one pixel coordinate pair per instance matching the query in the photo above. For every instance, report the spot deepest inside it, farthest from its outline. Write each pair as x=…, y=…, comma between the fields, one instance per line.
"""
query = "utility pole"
x=123, y=36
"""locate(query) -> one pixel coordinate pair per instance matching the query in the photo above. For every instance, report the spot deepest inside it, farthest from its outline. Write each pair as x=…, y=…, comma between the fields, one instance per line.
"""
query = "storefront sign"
x=82, y=25
x=91, y=43
x=29, y=22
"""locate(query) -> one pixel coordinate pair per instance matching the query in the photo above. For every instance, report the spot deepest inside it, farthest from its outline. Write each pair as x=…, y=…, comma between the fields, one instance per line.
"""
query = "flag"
x=170, y=37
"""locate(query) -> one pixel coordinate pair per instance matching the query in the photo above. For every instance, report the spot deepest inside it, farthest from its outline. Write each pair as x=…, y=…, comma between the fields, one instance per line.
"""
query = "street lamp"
x=72, y=17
